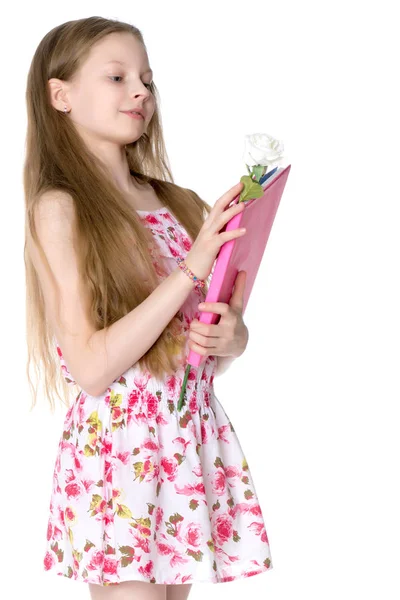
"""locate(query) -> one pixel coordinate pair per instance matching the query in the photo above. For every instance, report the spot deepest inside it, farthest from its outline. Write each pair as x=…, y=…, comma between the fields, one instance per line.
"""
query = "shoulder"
x=54, y=213
x=51, y=232
x=53, y=203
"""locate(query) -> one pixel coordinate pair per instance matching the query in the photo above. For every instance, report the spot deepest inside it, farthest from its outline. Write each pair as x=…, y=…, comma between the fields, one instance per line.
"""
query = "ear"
x=58, y=93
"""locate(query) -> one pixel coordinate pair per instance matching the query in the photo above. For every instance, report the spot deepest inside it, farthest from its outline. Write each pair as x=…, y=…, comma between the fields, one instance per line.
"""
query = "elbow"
x=92, y=384
x=89, y=386
x=96, y=388
x=93, y=389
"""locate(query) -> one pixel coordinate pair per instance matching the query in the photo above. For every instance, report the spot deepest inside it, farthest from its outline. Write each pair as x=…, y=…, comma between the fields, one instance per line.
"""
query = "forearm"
x=111, y=351
x=224, y=362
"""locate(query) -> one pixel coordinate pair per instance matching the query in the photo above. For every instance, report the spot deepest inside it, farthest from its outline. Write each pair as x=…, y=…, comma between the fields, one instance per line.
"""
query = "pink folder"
x=244, y=253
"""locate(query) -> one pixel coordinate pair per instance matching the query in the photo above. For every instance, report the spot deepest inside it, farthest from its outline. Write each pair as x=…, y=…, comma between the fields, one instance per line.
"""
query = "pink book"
x=244, y=253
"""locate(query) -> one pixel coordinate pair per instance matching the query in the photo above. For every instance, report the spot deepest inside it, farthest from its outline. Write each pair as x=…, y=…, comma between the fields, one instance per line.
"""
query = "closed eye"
x=120, y=77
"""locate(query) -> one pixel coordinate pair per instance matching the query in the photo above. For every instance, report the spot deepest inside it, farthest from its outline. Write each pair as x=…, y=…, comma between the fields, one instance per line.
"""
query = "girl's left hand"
x=230, y=336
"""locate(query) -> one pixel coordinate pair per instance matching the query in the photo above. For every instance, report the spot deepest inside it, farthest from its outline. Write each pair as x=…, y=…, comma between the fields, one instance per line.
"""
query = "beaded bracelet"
x=183, y=266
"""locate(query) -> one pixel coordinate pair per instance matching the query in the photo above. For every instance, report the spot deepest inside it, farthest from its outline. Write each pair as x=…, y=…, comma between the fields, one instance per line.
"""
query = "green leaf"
x=94, y=419
x=218, y=462
x=127, y=550
x=198, y=556
x=122, y=381
x=236, y=537
x=170, y=530
x=267, y=562
x=193, y=504
x=185, y=418
x=179, y=457
x=96, y=499
x=115, y=399
x=88, y=545
x=175, y=518
x=126, y=560
x=88, y=450
x=258, y=171
x=124, y=512
x=252, y=189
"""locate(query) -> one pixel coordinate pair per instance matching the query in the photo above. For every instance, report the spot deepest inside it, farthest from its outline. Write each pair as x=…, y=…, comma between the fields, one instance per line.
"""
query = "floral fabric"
x=142, y=491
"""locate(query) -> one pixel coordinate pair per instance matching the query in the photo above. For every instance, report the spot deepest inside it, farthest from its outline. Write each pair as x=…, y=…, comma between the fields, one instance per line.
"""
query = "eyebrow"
x=124, y=64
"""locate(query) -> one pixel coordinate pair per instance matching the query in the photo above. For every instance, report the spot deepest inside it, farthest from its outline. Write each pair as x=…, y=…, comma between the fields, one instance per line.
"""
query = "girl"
x=142, y=493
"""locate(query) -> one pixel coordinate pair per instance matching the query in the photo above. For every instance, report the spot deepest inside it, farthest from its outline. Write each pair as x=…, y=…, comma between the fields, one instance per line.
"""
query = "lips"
x=137, y=110
x=133, y=115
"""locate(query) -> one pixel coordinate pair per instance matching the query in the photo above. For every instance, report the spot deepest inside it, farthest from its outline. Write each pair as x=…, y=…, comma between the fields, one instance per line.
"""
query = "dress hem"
x=136, y=577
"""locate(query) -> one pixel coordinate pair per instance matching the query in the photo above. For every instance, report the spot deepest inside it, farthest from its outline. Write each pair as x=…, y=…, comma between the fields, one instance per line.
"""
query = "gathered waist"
x=138, y=381
x=141, y=398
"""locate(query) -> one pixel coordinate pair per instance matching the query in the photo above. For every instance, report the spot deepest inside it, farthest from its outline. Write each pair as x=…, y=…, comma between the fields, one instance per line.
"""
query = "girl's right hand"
x=201, y=257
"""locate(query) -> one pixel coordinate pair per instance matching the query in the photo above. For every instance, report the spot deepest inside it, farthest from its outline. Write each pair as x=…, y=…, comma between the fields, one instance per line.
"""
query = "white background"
x=314, y=398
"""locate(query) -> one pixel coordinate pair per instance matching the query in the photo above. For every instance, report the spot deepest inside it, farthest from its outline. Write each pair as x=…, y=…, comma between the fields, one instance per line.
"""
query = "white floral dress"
x=142, y=491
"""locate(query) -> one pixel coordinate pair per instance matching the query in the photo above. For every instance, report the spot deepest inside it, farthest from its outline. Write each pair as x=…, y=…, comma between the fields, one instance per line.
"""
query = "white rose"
x=262, y=149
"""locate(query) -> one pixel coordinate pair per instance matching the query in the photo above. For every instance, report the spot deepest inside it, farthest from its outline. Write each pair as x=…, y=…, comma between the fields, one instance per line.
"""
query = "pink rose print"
x=204, y=433
x=69, y=513
x=193, y=535
x=219, y=483
x=159, y=517
x=147, y=570
x=110, y=566
x=49, y=561
x=152, y=220
x=134, y=396
x=123, y=457
x=193, y=405
x=224, y=529
x=170, y=467
x=72, y=490
x=97, y=560
x=152, y=405
x=186, y=243
x=142, y=491
x=165, y=549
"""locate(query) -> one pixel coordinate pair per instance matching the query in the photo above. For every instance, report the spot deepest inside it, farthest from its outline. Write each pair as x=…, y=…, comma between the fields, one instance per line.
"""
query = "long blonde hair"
x=109, y=231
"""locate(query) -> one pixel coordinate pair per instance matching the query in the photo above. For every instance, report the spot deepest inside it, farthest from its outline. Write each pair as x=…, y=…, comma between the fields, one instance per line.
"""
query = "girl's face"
x=114, y=78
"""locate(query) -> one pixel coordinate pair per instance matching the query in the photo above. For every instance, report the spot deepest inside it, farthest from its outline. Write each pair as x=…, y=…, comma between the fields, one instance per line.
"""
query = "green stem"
x=182, y=396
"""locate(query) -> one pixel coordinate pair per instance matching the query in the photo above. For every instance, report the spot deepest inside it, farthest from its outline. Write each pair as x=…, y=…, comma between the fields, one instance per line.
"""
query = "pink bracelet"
x=183, y=266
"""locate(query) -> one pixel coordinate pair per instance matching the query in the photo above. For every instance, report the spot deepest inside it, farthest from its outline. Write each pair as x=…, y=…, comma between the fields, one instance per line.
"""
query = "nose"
x=144, y=91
